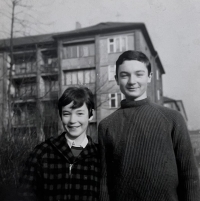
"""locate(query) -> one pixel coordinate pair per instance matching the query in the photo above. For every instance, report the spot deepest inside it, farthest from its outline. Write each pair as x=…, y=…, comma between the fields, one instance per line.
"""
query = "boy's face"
x=75, y=121
x=133, y=79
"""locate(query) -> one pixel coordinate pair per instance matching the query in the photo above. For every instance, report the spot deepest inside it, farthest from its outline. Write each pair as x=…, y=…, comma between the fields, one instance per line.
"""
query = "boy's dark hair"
x=77, y=95
x=133, y=55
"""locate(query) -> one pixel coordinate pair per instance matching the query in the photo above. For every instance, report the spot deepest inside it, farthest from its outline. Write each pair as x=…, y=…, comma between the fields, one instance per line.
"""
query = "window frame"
x=110, y=78
x=113, y=98
x=114, y=43
x=157, y=74
x=158, y=94
x=117, y=103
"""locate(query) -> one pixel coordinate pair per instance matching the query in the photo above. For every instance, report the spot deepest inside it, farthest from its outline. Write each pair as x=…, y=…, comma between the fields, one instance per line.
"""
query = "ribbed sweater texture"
x=146, y=155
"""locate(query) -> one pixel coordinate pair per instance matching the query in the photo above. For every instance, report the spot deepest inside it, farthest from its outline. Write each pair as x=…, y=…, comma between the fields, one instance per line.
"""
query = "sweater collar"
x=128, y=104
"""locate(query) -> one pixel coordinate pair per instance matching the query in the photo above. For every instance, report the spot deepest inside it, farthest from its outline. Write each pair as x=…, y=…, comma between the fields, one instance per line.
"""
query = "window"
x=117, y=44
x=111, y=45
x=158, y=94
x=123, y=44
x=77, y=51
x=26, y=90
x=111, y=72
x=79, y=77
x=115, y=100
x=51, y=85
x=157, y=75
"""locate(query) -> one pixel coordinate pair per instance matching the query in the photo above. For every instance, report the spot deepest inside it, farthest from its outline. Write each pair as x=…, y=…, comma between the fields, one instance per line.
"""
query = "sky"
x=173, y=26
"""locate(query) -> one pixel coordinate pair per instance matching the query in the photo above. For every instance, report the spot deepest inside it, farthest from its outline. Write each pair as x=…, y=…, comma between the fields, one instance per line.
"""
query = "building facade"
x=46, y=65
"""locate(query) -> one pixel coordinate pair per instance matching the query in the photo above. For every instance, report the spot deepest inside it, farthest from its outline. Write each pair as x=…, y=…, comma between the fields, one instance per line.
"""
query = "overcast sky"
x=173, y=25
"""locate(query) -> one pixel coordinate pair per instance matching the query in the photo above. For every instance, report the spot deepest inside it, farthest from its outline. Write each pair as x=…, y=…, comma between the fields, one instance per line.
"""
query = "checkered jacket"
x=52, y=173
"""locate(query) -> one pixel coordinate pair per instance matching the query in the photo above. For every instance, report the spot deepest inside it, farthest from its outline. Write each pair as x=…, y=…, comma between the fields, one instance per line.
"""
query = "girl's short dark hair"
x=133, y=55
x=77, y=95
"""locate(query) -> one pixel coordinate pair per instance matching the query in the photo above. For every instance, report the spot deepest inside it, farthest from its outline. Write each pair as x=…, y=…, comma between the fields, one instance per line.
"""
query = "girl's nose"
x=72, y=118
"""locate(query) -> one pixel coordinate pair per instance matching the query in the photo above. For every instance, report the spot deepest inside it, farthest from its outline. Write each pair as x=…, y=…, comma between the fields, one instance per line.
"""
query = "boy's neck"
x=144, y=96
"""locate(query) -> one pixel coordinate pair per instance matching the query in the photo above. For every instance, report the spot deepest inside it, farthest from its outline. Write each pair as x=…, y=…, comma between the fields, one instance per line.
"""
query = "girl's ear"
x=90, y=119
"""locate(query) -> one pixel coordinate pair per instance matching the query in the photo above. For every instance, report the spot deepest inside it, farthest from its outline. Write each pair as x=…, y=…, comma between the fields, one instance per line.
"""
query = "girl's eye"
x=66, y=114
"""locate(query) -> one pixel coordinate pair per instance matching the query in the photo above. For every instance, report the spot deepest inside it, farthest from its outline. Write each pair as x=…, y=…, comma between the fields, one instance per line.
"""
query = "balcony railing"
x=25, y=68
x=50, y=68
x=19, y=122
x=24, y=97
x=51, y=94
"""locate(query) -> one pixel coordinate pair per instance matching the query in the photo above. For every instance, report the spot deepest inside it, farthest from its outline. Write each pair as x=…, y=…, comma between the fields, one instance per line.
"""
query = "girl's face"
x=75, y=121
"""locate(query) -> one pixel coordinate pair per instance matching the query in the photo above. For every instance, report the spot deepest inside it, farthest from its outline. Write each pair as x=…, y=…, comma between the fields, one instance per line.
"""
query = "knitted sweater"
x=146, y=155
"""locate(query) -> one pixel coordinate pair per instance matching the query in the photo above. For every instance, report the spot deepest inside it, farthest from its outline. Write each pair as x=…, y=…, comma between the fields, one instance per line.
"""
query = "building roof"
x=101, y=28
x=194, y=132
x=27, y=40
x=168, y=100
x=178, y=103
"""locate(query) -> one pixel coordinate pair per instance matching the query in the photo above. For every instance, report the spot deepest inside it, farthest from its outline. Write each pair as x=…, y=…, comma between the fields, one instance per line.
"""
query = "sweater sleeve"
x=189, y=185
x=30, y=180
x=103, y=181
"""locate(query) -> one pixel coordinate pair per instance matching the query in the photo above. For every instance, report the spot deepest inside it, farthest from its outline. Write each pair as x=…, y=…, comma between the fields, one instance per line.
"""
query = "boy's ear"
x=149, y=77
x=116, y=78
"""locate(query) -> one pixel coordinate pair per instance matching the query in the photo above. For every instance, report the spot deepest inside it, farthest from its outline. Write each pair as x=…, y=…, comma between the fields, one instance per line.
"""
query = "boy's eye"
x=80, y=113
x=124, y=75
x=140, y=74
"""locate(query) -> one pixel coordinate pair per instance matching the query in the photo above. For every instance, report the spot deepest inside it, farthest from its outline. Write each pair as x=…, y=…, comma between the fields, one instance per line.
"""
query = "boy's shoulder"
x=165, y=110
x=113, y=117
x=167, y=113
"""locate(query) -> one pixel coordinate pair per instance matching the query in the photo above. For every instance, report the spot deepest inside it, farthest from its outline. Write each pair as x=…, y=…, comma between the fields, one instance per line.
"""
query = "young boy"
x=146, y=152
x=66, y=167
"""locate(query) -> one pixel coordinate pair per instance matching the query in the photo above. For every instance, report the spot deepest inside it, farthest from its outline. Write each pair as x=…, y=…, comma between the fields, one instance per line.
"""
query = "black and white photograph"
x=99, y=100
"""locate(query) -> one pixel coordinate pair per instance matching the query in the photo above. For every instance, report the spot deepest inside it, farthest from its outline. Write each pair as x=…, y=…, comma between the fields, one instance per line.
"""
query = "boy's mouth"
x=132, y=88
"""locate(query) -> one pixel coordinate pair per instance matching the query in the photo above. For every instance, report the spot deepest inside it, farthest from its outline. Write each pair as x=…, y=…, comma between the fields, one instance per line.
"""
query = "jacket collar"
x=60, y=144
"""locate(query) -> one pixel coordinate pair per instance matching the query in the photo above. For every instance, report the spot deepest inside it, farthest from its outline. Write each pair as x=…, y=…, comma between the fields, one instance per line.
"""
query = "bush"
x=13, y=152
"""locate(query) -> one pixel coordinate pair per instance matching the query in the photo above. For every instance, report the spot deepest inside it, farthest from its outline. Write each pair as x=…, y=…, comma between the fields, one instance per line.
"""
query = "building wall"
x=91, y=70
x=107, y=58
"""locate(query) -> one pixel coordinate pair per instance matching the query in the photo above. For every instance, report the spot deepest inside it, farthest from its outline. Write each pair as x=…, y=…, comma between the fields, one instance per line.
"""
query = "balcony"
x=24, y=68
x=19, y=122
x=78, y=63
x=24, y=98
x=51, y=95
x=50, y=68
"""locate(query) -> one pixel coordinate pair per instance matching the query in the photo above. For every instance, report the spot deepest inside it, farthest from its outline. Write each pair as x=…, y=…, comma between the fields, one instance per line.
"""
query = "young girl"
x=66, y=167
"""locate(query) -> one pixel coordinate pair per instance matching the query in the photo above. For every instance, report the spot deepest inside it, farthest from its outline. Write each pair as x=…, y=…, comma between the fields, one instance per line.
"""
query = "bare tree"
x=19, y=26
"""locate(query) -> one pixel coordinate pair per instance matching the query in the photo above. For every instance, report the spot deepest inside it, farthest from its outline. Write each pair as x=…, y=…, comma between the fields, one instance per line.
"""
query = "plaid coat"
x=52, y=173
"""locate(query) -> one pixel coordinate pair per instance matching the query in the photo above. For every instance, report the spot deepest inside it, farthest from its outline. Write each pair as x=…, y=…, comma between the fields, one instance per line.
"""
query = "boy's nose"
x=131, y=80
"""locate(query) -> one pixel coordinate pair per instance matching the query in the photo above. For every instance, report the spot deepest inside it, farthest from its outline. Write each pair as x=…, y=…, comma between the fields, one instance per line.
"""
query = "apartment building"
x=46, y=65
